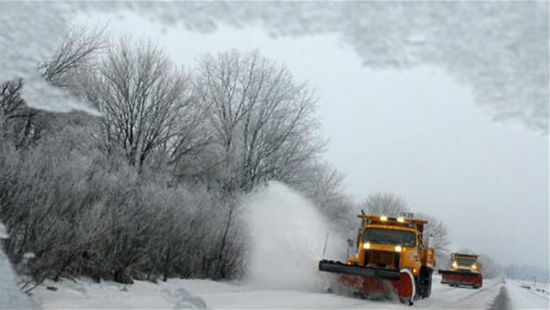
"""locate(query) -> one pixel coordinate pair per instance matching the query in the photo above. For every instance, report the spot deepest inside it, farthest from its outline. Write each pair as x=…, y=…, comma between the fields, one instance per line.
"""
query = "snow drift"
x=286, y=240
x=10, y=295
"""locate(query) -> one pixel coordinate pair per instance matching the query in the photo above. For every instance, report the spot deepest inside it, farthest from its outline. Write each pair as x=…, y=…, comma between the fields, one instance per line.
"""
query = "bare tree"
x=84, y=212
x=318, y=179
x=438, y=234
x=10, y=97
x=73, y=57
x=142, y=98
x=260, y=119
x=259, y=126
x=322, y=183
x=18, y=122
x=385, y=203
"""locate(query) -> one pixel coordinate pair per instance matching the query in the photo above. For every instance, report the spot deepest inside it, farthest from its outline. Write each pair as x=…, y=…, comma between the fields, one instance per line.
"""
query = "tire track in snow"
x=182, y=299
x=477, y=292
x=502, y=301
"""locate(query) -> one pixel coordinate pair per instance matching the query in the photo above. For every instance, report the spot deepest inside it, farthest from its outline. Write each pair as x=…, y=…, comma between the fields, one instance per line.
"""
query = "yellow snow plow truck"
x=391, y=259
x=464, y=270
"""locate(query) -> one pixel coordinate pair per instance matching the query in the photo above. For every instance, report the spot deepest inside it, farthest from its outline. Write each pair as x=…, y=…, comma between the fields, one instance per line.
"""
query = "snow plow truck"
x=391, y=260
x=464, y=270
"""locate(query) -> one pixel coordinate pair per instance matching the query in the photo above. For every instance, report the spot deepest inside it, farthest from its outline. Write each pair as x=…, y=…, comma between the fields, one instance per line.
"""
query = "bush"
x=80, y=215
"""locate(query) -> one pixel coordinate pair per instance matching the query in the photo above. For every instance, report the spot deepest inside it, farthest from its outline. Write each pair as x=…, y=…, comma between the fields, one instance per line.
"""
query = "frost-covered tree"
x=259, y=118
x=25, y=125
x=18, y=122
x=141, y=97
x=257, y=125
x=382, y=203
x=83, y=210
x=437, y=234
x=74, y=57
x=322, y=183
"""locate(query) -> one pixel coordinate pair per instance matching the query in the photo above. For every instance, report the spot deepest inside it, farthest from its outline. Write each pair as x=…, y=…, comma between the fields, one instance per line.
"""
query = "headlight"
x=366, y=246
x=401, y=219
x=398, y=248
x=383, y=218
x=474, y=266
x=454, y=264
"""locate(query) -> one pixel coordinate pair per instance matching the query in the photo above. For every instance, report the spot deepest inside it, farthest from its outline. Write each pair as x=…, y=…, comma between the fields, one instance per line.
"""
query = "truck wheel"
x=429, y=285
x=426, y=281
x=419, y=287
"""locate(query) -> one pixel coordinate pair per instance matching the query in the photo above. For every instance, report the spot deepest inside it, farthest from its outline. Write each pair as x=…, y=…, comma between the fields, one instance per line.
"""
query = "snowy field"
x=523, y=298
x=194, y=294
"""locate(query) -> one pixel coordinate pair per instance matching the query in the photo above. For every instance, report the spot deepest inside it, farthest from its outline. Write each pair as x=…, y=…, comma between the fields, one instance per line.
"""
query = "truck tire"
x=426, y=281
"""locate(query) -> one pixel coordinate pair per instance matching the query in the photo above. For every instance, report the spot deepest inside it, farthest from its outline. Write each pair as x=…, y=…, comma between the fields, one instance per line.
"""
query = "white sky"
x=415, y=132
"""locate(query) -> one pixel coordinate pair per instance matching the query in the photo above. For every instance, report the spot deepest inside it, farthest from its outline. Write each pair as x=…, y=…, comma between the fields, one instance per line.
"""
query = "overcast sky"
x=414, y=132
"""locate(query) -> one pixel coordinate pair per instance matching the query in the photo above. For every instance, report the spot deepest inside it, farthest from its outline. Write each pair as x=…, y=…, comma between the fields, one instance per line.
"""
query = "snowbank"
x=10, y=295
x=524, y=298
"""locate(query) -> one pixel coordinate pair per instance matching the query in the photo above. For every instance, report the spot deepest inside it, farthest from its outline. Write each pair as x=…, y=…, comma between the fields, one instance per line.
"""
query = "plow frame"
x=339, y=267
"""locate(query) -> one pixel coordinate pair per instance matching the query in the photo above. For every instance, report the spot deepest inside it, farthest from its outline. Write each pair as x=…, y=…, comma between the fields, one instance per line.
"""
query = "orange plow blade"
x=404, y=287
x=374, y=282
x=460, y=278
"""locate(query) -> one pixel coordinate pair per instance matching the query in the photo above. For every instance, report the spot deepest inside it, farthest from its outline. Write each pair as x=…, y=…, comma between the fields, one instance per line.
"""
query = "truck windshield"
x=464, y=261
x=390, y=236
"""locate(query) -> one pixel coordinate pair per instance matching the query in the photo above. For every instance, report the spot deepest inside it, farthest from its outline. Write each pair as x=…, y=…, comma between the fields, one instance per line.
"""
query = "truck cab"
x=393, y=243
x=464, y=270
x=465, y=262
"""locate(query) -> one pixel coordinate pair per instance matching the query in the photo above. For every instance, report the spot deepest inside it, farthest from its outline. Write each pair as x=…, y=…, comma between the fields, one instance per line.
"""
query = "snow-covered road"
x=180, y=294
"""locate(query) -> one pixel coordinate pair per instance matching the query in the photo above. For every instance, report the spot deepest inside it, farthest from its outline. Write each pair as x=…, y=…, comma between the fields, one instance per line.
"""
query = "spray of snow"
x=287, y=237
x=30, y=34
